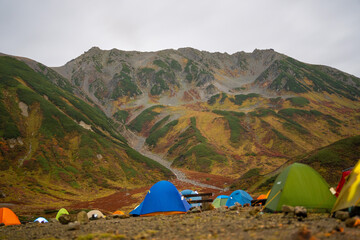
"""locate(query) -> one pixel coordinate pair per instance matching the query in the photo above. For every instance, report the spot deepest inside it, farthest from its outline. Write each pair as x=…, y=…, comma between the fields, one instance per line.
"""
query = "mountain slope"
x=56, y=145
x=221, y=113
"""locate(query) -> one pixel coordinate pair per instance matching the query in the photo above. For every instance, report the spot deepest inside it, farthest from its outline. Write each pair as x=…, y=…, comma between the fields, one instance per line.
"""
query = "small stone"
x=300, y=212
x=342, y=215
x=73, y=226
x=287, y=209
x=124, y=216
x=352, y=222
x=64, y=219
x=222, y=209
x=302, y=234
x=2, y=195
x=338, y=228
x=232, y=208
x=254, y=211
x=195, y=210
x=82, y=217
x=53, y=220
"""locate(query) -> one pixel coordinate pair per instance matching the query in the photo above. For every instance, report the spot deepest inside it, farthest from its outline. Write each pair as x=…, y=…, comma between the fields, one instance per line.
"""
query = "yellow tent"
x=350, y=193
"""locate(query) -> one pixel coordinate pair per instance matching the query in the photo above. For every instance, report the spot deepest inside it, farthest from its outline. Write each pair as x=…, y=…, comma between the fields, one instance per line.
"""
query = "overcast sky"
x=55, y=31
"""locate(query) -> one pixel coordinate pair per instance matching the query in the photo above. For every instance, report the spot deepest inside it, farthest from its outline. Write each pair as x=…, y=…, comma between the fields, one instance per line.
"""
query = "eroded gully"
x=138, y=143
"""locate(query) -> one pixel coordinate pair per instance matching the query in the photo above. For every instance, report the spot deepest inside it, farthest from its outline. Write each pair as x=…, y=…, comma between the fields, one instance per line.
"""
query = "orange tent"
x=8, y=217
x=262, y=196
x=118, y=212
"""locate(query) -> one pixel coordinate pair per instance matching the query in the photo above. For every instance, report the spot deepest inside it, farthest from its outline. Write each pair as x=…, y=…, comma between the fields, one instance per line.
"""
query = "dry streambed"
x=215, y=224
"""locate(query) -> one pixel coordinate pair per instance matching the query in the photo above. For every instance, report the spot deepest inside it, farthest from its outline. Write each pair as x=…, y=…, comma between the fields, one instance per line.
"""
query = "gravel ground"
x=214, y=224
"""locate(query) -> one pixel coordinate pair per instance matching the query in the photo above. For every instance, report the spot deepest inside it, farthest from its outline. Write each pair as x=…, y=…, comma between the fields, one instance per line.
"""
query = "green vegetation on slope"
x=299, y=101
x=194, y=145
x=159, y=124
x=125, y=85
x=240, y=98
x=290, y=75
x=236, y=129
x=121, y=115
x=56, y=149
x=144, y=118
x=155, y=135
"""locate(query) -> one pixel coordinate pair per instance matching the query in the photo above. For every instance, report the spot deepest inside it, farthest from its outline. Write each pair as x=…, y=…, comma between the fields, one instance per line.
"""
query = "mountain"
x=220, y=113
x=57, y=144
x=69, y=133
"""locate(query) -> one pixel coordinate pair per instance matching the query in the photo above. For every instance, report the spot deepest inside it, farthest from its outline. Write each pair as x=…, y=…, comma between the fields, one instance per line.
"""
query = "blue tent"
x=186, y=192
x=162, y=198
x=239, y=196
x=136, y=211
x=41, y=220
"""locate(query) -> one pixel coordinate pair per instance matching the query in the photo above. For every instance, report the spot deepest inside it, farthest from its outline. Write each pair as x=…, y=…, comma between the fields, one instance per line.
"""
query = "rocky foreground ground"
x=214, y=224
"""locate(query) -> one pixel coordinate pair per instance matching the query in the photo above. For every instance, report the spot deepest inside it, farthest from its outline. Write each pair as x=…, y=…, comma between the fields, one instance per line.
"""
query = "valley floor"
x=214, y=224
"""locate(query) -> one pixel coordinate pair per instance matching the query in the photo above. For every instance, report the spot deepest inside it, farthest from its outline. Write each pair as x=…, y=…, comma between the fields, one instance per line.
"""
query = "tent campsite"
x=300, y=185
x=8, y=217
x=162, y=198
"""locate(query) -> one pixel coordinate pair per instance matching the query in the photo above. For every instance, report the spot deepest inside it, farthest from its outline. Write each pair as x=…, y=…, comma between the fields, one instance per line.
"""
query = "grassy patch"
x=155, y=135
x=159, y=124
x=299, y=101
x=144, y=118
x=251, y=173
x=121, y=115
x=240, y=98
x=236, y=129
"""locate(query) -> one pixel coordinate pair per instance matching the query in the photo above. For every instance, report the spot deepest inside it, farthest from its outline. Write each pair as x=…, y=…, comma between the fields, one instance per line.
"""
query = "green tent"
x=300, y=185
x=220, y=201
x=61, y=212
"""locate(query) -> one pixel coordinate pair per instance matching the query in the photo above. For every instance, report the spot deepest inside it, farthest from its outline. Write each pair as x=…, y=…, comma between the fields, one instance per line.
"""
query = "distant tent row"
x=297, y=185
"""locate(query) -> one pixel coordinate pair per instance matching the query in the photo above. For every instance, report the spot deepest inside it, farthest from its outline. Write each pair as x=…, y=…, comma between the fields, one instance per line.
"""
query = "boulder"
x=82, y=217
x=287, y=209
x=352, y=222
x=342, y=215
x=300, y=212
x=73, y=226
x=65, y=219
